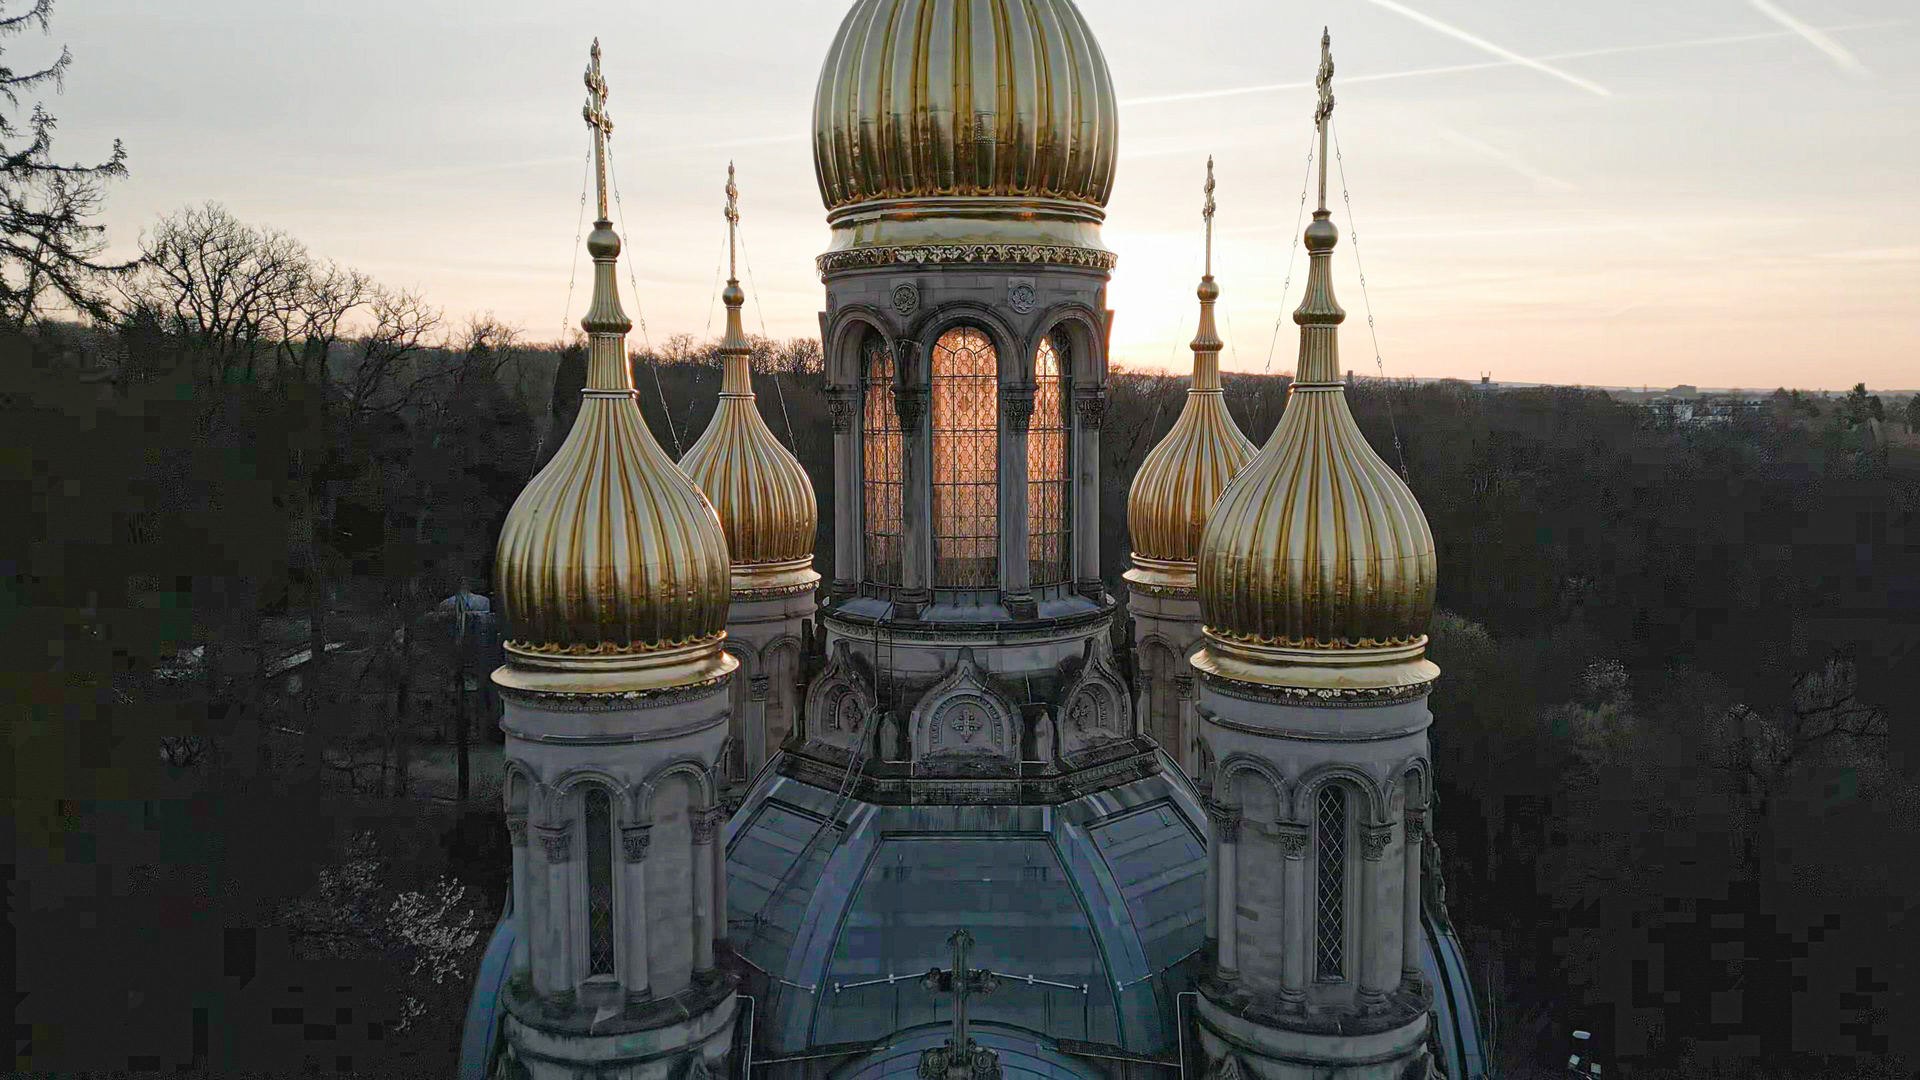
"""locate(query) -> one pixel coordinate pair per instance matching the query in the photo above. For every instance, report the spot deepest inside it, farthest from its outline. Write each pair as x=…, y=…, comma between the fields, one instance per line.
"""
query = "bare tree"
x=225, y=288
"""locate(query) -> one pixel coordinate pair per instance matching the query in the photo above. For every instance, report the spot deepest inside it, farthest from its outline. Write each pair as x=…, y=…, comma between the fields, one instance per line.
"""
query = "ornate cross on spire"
x=732, y=213
x=597, y=117
x=1206, y=211
x=960, y=1059
x=1323, y=111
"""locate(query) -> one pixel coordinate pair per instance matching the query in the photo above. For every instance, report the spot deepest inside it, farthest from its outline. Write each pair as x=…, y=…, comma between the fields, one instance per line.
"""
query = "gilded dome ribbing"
x=763, y=496
x=1182, y=477
x=944, y=121
x=1317, y=566
x=612, y=566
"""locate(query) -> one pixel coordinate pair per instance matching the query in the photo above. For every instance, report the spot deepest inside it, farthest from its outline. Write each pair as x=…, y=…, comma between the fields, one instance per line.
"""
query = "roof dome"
x=763, y=496
x=1183, y=476
x=1317, y=567
x=988, y=121
x=612, y=564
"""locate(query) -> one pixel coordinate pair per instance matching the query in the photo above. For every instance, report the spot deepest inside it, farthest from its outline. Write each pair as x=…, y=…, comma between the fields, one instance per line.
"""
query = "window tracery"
x=1047, y=489
x=881, y=448
x=966, y=443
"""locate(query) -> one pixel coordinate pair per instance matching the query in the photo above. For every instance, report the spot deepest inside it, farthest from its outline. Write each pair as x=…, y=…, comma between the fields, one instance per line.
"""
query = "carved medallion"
x=906, y=298
x=1021, y=295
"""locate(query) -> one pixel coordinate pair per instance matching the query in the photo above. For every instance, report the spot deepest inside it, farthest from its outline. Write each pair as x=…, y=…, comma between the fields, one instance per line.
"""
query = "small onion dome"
x=763, y=496
x=982, y=121
x=612, y=564
x=1183, y=476
x=1317, y=568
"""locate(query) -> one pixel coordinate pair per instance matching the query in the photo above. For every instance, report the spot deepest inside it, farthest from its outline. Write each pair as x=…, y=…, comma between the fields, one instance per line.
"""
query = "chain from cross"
x=960, y=1059
x=596, y=115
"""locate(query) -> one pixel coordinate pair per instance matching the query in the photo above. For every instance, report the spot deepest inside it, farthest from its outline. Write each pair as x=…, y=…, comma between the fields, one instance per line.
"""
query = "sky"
x=1639, y=192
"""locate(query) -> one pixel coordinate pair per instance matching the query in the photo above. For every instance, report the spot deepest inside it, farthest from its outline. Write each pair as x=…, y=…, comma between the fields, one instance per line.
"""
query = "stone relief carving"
x=964, y=716
x=839, y=701
x=1097, y=708
x=906, y=298
x=1021, y=295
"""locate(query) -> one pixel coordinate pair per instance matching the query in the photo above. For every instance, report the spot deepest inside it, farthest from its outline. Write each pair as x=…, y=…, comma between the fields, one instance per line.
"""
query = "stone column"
x=720, y=876
x=1296, y=914
x=702, y=821
x=553, y=949
x=755, y=728
x=1090, y=412
x=916, y=475
x=522, y=895
x=1226, y=828
x=843, y=405
x=1213, y=876
x=1379, y=958
x=1183, y=728
x=634, y=841
x=1413, y=841
x=1016, y=572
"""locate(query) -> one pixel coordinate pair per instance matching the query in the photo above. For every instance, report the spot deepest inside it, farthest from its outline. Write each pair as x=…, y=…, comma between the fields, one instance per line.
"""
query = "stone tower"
x=766, y=505
x=613, y=568
x=1316, y=580
x=1167, y=509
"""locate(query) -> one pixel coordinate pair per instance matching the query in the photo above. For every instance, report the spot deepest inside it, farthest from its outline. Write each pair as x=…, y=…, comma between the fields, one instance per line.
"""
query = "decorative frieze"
x=565, y=702
x=856, y=258
x=1318, y=696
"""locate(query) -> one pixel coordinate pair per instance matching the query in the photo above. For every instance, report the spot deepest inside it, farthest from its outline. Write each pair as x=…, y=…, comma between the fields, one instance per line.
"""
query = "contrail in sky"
x=1577, y=54
x=1506, y=54
x=1505, y=158
x=1848, y=62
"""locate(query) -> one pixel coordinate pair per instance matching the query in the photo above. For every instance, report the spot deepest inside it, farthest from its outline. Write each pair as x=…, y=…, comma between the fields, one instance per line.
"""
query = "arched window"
x=1047, y=468
x=1330, y=910
x=599, y=837
x=966, y=446
x=881, y=451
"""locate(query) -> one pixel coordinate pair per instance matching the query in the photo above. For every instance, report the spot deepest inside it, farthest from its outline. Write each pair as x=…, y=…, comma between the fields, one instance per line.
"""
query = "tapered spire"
x=764, y=498
x=1178, y=482
x=1317, y=568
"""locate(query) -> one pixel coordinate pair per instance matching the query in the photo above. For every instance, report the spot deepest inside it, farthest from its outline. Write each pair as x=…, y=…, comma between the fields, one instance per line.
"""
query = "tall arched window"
x=599, y=838
x=1047, y=468
x=881, y=451
x=966, y=446
x=1330, y=909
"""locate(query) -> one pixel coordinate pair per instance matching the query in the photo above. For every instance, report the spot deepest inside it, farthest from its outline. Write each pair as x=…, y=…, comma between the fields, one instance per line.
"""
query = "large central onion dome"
x=1317, y=567
x=977, y=121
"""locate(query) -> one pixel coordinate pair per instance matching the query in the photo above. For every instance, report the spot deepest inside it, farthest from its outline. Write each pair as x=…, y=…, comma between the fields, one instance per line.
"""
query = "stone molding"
x=559, y=701
x=856, y=258
x=1318, y=696
x=634, y=840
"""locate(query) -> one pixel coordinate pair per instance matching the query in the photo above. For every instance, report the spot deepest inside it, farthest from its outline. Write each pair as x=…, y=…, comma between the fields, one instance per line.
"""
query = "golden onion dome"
x=612, y=564
x=1183, y=476
x=1317, y=567
x=764, y=498
x=985, y=121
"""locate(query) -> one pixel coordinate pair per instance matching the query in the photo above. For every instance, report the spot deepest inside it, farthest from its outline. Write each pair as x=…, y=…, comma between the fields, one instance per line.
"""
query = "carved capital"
x=1091, y=403
x=757, y=688
x=911, y=404
x=1226, y=822
x=1017, y=403
x=557, y=842
x=1292, y=839
x=1416, y=826
x=1183, y=686
x=517, y=831
x=704, y=823
x=841, y=405
x=634, y=840
x=1373, y=841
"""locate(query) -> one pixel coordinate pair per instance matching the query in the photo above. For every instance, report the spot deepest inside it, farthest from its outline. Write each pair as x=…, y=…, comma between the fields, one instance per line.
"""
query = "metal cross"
x=1206, y=211
x=1323, y=112
x=601, y=121
x=732, y=213
x=960, y=1059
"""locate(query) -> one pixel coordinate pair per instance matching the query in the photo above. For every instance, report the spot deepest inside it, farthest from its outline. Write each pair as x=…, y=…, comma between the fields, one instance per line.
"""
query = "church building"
x=918, y=813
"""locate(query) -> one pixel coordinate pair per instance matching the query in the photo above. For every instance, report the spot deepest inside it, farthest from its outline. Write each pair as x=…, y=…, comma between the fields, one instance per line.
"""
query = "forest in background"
x=254, y=760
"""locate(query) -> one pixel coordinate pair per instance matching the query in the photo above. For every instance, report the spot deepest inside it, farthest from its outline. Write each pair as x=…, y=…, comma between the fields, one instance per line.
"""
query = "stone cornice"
x=862, y=257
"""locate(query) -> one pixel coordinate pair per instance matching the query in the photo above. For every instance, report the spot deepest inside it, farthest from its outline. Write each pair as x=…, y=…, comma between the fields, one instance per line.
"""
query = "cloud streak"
x=1502, y=52
x=1510, y=160
x=1835, y=51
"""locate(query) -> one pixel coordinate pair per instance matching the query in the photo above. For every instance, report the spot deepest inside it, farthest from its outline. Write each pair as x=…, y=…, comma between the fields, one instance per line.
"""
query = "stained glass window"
x=966, y=445
x=881, y=452
x=599, y=881
x=1330, y=923
x=1047, y=469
